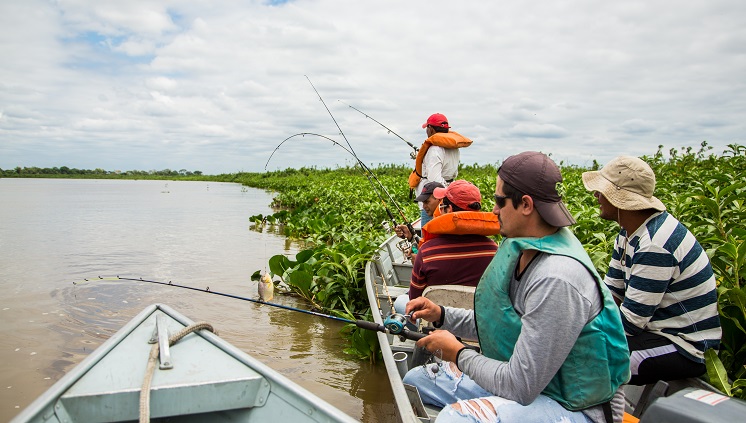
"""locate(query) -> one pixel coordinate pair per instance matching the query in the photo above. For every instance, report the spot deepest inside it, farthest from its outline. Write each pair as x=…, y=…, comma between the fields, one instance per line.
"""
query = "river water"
x=54, y=232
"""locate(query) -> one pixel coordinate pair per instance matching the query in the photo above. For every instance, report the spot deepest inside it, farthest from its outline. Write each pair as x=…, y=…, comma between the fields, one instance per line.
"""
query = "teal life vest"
x=597, y=364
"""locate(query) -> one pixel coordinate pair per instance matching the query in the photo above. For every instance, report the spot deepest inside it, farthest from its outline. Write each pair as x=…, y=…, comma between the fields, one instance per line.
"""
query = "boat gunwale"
x=404, y=408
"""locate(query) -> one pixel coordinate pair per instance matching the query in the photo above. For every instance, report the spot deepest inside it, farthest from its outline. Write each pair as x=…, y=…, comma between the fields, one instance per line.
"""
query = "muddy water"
x=54, y=232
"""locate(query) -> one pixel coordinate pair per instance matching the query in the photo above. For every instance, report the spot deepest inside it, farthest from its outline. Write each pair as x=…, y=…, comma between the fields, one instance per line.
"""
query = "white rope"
x=153, y=359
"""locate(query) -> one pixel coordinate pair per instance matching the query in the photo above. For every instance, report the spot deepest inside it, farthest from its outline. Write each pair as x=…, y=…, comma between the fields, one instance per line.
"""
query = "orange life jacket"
x=462, y=223
x=441, y=139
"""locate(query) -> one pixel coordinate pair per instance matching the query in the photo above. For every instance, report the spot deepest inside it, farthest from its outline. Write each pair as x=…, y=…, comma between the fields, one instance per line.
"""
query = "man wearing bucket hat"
x=552, y=342
x=659, y=275
x=438, y=158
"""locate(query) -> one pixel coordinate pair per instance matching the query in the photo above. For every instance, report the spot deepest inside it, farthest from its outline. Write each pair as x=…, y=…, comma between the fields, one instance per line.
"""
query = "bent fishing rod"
x=364, y=168
x=360, y=162
x=394, y=324
x=416, y=149
x=365, y=171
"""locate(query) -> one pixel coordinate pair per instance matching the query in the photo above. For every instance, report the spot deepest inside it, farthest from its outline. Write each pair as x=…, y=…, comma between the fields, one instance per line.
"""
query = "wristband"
x=457, y=356
x=439, y=323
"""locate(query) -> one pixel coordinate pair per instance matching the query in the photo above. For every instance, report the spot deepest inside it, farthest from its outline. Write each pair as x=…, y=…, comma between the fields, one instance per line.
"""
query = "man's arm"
x=614, y=279
x=418, y=281
x=650, y=273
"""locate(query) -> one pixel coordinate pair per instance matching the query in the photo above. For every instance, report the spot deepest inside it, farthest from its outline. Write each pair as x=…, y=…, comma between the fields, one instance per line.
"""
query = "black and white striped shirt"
x=667, y=285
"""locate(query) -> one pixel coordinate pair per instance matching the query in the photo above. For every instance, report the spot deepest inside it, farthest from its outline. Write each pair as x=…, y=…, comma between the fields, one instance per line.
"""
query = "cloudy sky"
x=217, y=85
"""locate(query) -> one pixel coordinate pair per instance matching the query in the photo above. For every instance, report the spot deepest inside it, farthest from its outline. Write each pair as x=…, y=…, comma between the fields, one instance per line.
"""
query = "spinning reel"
x=395, y=323
x=403, y=245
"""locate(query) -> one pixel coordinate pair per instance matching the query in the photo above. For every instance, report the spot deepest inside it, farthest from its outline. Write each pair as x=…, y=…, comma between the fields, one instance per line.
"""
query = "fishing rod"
x=360, y=162
x=394, y=324
x=369, y=173
x=341, y=132
x=413, y=155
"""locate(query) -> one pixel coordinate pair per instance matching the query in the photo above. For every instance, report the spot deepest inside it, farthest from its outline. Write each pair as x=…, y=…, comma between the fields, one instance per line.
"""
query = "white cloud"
x=216, y=86
x=635, y=126
x=530, y=130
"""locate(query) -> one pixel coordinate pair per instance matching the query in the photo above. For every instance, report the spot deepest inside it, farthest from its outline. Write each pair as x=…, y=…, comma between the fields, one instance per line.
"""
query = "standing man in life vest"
x=438, y=157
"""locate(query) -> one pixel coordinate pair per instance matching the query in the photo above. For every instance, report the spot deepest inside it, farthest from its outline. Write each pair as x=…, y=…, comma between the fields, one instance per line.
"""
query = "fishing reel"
x=403, y=245
x=395, y=323
x=387, y=226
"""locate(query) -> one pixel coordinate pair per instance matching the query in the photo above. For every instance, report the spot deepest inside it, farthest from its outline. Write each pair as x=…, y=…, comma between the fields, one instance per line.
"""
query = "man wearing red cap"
x=438, y=157
x=452, y=259
x=450, y=254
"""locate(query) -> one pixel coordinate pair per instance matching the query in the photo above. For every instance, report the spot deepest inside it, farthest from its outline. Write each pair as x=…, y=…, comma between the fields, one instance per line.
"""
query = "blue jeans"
x=443, y=385
x=424, y=218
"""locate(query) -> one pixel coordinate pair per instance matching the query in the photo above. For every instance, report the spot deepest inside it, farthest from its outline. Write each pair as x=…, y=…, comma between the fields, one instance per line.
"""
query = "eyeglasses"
x=500, y=200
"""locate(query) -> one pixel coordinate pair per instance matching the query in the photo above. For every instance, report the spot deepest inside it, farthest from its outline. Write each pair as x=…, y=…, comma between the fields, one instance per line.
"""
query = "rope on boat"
x=153, y=359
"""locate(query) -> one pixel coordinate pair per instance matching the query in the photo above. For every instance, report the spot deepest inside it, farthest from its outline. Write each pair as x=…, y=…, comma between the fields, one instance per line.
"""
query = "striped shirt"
x=451, y=260
x=664, y=279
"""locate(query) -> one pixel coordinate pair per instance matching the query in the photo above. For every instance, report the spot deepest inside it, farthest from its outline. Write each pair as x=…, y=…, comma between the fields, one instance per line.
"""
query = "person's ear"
x=527, y=203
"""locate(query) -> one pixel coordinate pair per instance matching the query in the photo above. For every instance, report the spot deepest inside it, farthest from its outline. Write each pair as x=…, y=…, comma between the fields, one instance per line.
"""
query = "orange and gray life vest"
x=462, y=223
x=441, y=139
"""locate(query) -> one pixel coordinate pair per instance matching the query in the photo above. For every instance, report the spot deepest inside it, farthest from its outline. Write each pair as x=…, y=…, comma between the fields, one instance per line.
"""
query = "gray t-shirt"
x=556, y=297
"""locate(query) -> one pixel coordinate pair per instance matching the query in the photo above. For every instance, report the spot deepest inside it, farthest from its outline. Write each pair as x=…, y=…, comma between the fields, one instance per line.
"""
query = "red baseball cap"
x=461, y=193
x=437, y=119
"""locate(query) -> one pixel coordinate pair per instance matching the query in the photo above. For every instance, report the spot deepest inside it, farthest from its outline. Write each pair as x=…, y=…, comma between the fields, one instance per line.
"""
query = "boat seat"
x=458, y=296
x=403, y=272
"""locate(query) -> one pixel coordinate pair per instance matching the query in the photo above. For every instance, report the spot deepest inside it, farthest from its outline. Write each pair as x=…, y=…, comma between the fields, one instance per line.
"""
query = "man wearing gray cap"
x=659, y=275
x=552, y=343
x=429, y=205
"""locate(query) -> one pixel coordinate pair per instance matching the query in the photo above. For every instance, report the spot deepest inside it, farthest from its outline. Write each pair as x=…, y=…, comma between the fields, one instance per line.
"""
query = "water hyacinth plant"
x=339, y=216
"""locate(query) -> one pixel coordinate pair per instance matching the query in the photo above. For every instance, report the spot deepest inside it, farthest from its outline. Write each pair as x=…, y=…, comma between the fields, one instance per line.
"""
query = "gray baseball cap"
x=427, y=191
x=535, y=174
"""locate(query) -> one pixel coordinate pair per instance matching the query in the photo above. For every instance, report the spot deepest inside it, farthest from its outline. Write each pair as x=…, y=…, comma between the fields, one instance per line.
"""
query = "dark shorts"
x=654, y=357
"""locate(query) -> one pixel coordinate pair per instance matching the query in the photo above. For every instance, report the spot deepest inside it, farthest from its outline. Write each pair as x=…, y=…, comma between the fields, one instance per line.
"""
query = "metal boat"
x=387, y=276
x=200, y=378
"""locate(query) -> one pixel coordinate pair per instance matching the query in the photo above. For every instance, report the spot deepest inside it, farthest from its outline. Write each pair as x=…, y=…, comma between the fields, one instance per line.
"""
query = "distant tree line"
x=21, y=172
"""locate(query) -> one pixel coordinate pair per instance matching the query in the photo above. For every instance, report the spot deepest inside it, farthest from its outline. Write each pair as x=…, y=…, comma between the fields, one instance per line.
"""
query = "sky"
x=216, y=86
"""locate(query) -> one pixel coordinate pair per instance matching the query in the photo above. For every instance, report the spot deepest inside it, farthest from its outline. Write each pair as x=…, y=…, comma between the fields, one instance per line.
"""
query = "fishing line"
x=365, y=169
x=394, y=329
x=414, y=155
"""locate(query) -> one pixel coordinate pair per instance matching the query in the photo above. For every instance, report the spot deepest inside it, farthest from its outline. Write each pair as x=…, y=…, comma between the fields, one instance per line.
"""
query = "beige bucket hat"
x=627, y=182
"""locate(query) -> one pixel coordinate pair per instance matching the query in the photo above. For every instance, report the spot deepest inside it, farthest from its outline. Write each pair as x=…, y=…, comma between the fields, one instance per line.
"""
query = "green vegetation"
x=66, y=172
x=339, y=215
